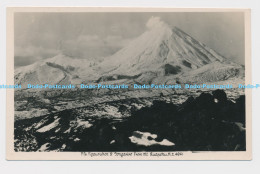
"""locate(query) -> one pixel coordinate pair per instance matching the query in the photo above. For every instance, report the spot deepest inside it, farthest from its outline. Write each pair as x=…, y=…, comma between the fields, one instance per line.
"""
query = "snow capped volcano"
x=161, y=54
x=163, y=50
x=160, y=45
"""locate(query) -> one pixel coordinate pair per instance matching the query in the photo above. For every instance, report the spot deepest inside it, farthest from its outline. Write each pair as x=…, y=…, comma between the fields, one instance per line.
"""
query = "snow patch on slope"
x=49, y=126
x=148, y=139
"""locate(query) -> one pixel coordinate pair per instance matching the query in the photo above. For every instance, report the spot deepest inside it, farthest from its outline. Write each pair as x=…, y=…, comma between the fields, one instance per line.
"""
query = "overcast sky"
x=94, y=35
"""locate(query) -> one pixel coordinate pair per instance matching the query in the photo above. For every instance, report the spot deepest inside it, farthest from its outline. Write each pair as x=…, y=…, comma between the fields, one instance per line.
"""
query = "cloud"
x=24, y=60
x=37, y=52
x=83, y=46
x=94, y=46
x=115, y=28
x=155, y=22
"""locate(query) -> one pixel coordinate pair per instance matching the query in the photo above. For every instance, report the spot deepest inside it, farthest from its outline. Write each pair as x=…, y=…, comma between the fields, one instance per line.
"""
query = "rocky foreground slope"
x=210, y=122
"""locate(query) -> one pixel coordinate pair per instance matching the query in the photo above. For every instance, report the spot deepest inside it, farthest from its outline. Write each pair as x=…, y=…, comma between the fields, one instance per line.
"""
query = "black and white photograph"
x=130, y=84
